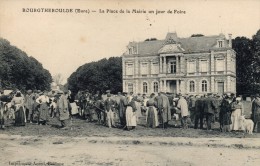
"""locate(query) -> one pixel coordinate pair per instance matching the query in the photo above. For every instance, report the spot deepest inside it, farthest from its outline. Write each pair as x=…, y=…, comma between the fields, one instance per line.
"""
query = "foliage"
x=101, y=75
x=151, y=39
x=18, y=71
x=247, y=64
x=197, y=35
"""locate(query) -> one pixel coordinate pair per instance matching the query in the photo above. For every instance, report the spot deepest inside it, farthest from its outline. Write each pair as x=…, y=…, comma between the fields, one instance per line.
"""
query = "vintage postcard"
x=129, y=82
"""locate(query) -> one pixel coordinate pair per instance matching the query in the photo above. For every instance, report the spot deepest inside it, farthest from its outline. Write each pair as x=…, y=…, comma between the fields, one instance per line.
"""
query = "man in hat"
x=256, y=113
x=199, y=104
x=110, y=108
x=122, y=109
x=210, y=106
x=29, y=106
x=163, y=106
x=183, y=106
x=63, y=108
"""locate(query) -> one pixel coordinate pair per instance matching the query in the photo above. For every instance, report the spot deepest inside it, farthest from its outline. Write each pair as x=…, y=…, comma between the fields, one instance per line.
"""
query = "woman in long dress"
x=130, y=113
x=152, y=114
x=43, y=100
x=18, y=104
x=237, y=111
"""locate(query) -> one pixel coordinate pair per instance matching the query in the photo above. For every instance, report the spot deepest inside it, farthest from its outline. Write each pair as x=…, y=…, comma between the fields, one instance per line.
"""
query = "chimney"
x=230, y=40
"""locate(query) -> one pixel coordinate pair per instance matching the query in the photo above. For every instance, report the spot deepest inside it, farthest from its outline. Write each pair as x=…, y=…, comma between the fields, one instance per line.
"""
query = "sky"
x=64, y=41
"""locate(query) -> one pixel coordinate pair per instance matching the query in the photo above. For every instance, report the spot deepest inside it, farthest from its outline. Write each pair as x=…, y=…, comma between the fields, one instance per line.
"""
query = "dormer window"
x=220, y=44
x=130, y=51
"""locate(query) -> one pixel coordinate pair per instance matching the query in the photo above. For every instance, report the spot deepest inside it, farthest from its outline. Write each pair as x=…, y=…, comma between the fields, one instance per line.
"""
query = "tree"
x=247, y=64
x=18, y=71
x=197, y=35
x=101, y=75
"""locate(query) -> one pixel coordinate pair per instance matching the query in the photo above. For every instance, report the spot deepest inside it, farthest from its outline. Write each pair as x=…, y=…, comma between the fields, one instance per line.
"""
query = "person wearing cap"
x=256, y=113
x=63, y=109
x=43, y=100
x=192, y=101
x=183, y=106
x=122, y=109
x=237, y=111
x=209, y=109
x=110, y=109
x=199, y=115
x=164, y=109
x=99, y=105
x=29, y=106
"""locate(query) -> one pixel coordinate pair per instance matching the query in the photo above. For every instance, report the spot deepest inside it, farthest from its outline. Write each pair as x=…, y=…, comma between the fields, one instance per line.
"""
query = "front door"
x=173, y=86
x=220, y=88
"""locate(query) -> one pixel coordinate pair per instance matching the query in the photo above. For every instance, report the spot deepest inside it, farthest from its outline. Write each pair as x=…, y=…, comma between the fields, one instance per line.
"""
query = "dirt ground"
x=86, y=143
x=67, y=151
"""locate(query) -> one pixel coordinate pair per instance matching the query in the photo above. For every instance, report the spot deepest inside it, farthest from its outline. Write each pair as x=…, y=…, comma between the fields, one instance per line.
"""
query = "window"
x=130, y=87
x=192, y=86
x=172, y=67
x=134, y=50
x=129, y=69
x=203, y=66
x=155, y=68
x=144, y=68
x=130, y=50
x=155, y=86
x=191, y=67
x=220, y=44
x=144, y=87
x=232, y=65
x=204, y=86
x=220, y=64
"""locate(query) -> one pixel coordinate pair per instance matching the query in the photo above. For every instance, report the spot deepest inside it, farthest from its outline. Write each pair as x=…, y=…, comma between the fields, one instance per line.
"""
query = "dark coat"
x=210, y=105
x=199, y=106
x=63, y=107
x=256, y=110
x=225, y=113
x=163, y=106
x=109, y=104
x=122, y=106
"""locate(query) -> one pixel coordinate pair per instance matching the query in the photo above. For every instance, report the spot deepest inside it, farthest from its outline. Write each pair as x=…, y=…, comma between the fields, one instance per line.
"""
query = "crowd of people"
x=34, y=107
x=124, y=110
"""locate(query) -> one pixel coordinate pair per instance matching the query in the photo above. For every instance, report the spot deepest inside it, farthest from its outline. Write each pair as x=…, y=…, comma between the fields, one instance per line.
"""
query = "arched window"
x=144, y=87
x=192, y=86
x=204, y=86
x=155, y=87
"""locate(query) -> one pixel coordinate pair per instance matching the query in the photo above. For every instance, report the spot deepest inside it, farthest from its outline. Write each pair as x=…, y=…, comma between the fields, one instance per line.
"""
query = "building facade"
x=194, y=65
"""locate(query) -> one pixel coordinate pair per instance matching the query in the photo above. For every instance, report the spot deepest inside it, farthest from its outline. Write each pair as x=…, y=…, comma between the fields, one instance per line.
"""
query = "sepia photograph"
x=129, y=82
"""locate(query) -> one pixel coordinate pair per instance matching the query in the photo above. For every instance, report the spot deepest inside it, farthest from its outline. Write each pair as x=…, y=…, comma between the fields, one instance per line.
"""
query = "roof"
x=150, y=47
x=173, y=43
x=195, y=44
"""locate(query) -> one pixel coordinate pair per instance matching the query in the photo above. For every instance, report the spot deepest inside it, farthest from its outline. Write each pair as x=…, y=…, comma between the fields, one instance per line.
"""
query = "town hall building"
x=193, y=65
